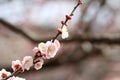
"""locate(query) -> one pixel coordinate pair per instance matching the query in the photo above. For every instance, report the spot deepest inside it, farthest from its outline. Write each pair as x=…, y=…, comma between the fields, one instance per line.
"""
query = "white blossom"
x=4, y=74
x=49, y=49
x=39, y=64
x=27, y=62
x=42, y=47
x=64, y=32
x=16, y=64
x=52, y=50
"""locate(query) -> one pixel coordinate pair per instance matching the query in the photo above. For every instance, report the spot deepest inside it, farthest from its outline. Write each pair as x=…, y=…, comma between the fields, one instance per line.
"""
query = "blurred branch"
x=95, y=40
x=78, y=39
x=14, y=29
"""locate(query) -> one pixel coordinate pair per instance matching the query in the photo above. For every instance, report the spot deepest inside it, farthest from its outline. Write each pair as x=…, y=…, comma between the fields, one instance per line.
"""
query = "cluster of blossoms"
x=45, y=51
x=42, y=51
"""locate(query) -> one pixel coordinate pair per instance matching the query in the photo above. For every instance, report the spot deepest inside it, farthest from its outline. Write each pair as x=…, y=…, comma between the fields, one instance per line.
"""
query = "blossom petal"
x=57, y=43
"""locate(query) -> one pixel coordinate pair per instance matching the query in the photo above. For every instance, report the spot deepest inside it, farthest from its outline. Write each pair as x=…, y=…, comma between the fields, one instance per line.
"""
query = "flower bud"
x=68, y=17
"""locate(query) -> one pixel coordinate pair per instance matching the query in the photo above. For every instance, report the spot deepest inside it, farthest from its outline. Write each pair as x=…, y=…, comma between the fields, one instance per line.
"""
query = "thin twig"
x=66, y=20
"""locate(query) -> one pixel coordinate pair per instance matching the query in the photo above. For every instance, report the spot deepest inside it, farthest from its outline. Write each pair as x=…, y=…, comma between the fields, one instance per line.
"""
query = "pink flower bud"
x=80, y=2
x=63, y=23
x=68, y=17
x=59, y=30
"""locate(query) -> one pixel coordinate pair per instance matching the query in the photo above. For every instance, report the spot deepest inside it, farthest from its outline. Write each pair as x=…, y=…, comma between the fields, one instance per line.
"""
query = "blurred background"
x=92, y=51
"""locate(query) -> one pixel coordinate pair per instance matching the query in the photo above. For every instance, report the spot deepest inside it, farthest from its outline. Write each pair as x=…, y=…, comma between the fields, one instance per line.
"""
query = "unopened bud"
x=59, y=30
x=68, y=17
x=80, y=1
x=63, y=23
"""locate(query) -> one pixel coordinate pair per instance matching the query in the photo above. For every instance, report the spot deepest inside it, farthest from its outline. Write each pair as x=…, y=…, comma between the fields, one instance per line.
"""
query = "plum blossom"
x=64, y=32
x=16, y=64
x=43, y=48
x=16, y=78
x=39, y=64
x=52, y=49
x=68, y=17
x=27, y=62
x=4, y=74
x=49, y=49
